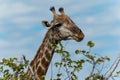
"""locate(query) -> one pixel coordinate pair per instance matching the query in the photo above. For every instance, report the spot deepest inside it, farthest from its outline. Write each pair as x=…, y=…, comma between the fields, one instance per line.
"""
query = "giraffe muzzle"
x=79, y=37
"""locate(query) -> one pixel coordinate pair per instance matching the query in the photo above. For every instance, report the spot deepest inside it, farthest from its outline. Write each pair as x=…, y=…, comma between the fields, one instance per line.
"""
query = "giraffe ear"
x=46, y=24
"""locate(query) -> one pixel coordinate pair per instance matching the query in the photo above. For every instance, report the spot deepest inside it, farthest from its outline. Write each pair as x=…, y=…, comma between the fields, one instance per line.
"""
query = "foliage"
x=13, y=69
x=68, y=68
x=73, y=67
x=117, y=74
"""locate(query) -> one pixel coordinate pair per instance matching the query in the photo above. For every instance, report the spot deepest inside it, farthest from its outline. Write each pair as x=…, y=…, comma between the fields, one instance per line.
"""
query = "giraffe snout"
x=79, y=37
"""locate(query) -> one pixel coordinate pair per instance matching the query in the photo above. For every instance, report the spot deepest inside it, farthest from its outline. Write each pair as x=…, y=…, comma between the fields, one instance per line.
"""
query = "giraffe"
x=60, y=28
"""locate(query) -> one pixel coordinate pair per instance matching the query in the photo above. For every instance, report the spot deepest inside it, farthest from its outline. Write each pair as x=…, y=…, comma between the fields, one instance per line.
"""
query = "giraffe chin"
x=78, y=39
x=74, y=38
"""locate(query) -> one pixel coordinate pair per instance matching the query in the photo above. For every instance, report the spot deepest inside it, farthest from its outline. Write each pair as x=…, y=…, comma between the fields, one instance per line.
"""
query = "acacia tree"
x=14, y=69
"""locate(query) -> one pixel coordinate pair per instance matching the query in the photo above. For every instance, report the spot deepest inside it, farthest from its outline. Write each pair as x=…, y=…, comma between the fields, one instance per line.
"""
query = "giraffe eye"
x=58, y=24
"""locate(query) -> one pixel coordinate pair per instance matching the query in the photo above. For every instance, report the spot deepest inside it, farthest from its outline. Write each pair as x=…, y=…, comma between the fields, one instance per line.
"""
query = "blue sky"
x=21, y=31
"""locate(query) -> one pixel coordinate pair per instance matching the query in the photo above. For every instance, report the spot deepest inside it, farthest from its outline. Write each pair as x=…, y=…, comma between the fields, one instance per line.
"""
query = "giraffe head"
x=62, y=27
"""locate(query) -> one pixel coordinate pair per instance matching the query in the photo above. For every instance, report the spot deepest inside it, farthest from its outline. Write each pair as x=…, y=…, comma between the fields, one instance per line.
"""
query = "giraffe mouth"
x=68, y=38
x=78, y=38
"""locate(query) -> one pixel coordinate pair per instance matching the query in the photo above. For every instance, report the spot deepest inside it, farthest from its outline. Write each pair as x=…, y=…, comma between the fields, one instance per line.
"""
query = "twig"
x=112, y=68
x=60, y=65
x=100, y=70
x=66, y=69
x=33, y=76
x=93, y=68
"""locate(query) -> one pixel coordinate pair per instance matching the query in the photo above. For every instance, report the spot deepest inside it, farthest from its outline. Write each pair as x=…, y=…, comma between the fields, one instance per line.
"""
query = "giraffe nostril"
x=80, y=31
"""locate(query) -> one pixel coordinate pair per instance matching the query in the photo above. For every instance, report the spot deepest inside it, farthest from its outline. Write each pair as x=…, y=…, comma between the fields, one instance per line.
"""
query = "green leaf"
x=58, y=64
x=77, y=51
x=117, y=74
x=90, y=44
x=60, y=74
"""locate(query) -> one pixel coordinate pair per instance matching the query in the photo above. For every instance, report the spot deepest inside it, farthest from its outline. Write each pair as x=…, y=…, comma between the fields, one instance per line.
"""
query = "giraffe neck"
x=41, y=61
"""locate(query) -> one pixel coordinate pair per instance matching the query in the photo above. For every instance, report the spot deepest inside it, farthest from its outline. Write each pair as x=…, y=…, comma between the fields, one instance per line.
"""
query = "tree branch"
x=112, y=68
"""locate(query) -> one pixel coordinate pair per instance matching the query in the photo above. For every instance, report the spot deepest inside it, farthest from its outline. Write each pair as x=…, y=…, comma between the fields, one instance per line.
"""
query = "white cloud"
x=2, y=30
x=115, y=10
x=90, y=19
x=26, y=22
x=4, y=43
x=116, y=31
x=24, y=19
x=13, y=9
